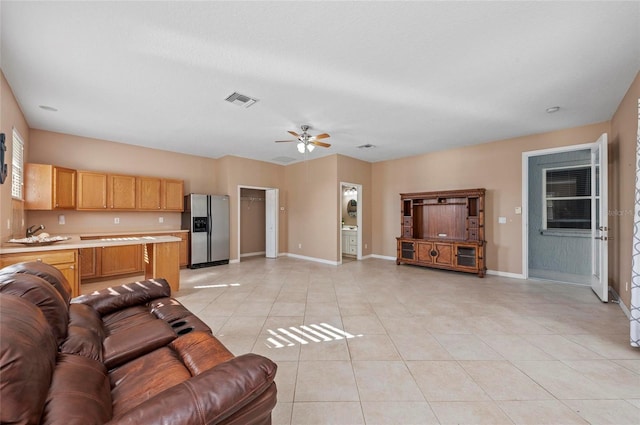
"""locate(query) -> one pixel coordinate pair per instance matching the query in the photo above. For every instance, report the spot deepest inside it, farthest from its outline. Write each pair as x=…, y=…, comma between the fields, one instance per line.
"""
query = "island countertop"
x=76, y=242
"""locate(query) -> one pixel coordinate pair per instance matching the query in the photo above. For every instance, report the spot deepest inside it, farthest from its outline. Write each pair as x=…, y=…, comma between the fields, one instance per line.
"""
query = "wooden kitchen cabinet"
x=101, y=191
x=184, y=247
x=49, y=187
x=149, y=193
x=92, y=190
x=172, y=192
x=156, y=194
x=121, y=192
x=89, y=263
x=64, y=260
x=125, y=259
x=108, y=261
x=443, y=229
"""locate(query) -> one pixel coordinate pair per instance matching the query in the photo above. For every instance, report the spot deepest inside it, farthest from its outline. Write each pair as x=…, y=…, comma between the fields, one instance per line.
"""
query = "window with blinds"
x=567, y=194
x=17, y=167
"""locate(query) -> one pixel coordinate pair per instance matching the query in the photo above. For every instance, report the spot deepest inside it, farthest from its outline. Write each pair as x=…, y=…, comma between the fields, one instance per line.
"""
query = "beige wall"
x=624, y=131
x=495, y=166
x=83, y=153
x=10, y=117
x=313, y=212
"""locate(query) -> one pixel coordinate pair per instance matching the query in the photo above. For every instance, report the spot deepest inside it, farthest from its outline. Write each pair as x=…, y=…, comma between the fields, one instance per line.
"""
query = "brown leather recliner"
x=125, y=355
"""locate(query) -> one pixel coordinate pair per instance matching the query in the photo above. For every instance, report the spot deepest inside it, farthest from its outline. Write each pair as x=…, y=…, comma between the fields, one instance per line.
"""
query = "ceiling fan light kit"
x=306, y=142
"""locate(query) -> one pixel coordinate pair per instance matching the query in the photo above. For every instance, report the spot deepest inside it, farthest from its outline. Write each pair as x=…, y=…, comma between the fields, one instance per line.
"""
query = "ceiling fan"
x=307, y=142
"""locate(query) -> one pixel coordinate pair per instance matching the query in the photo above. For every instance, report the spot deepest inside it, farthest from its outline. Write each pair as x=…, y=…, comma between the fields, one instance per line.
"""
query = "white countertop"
x=76, y=243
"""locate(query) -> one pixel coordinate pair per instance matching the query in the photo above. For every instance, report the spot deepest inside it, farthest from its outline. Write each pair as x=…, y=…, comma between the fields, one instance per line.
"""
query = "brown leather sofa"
x=125, y=355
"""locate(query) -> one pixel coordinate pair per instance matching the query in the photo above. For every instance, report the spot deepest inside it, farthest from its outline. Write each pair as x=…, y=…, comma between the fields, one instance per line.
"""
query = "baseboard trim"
x=623, y=307
x=383, y=257
x=314, y=259
x=505, y=274
x=252, y=254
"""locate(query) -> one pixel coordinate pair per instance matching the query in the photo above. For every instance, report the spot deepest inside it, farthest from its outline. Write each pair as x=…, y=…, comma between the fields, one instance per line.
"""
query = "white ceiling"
x=407, y=77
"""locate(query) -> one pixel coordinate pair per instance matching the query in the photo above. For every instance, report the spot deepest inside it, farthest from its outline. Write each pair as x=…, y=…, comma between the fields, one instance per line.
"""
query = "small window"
x=567, y=198
x=17, y=167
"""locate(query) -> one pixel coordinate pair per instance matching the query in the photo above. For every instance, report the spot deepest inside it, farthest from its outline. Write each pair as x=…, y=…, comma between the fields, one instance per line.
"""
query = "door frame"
x=525, y=193
x=275, y=212
x=358, y=219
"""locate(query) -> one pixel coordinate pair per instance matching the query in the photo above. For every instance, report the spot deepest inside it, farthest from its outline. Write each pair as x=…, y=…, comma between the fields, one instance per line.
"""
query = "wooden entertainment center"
x=443, y=229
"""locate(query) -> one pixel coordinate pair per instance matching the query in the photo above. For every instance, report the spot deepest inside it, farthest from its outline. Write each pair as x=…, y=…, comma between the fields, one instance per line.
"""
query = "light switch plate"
x=518, y=210
x=502, y=220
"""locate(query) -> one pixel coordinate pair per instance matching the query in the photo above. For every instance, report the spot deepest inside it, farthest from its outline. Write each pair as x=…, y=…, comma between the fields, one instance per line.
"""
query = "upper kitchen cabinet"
x=148, y=193
x=48, y=187
x=101, y=191
x=121, y=192
x=154, y=194
x=172, y=195
x=92, y=190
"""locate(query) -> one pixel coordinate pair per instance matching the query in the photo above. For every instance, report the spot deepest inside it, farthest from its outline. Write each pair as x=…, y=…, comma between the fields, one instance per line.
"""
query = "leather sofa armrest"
x=118, y=297
x=209, y=397
x=138, y=340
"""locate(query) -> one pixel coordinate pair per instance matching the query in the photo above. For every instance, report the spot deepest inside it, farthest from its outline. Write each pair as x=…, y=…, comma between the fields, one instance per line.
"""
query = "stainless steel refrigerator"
x=207, y=219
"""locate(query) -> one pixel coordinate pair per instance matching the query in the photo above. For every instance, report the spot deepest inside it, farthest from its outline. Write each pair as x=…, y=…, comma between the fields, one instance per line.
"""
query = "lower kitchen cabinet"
x=104, y=262
x=64, y=260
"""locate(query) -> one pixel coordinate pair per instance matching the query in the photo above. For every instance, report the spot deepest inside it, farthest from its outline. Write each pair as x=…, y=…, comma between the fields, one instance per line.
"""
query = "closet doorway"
x=257, y=222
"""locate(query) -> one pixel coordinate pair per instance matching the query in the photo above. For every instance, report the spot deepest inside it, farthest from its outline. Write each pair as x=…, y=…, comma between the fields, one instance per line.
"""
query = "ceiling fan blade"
x=321, y=136
x=322, y=144
x=286, y=141
x=293, y=133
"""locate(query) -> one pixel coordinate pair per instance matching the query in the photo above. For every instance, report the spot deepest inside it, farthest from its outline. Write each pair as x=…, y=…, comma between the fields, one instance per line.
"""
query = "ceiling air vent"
x=367, y=146
x=241, y=100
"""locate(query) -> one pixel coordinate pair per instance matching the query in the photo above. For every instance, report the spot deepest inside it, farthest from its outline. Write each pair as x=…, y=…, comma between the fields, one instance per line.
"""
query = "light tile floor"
x=421, y=346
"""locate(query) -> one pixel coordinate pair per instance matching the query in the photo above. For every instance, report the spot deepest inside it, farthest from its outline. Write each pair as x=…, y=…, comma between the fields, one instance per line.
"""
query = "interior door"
x=271, y=221
x=599, y=222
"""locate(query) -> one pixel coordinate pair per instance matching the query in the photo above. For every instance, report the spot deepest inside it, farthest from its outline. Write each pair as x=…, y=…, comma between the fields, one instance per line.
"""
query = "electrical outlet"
x=8, y=224
x=116, y=220
x=61, y=219
x=502, y=220
x=626, y=287
x=365, y=246
x=299, y=246
x=160, y=219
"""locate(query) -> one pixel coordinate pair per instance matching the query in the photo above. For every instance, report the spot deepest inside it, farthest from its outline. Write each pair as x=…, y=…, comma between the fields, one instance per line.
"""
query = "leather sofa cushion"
x=200, y=351
x=40, y=293
x=210, y=397
x=44, y=271
x=121, y=320
x=144, y=377
x=122, y=347
x=85, y=334
x=112, y=299
x=80, y=393
x=27, y=360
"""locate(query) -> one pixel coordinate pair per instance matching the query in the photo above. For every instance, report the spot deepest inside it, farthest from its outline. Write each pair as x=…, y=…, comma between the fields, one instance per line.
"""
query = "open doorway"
x=257, y=222
x=565, y=215
x=350, y=222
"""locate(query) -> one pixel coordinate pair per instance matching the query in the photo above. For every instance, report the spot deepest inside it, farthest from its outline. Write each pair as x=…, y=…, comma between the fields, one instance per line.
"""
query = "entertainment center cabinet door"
x=467, y=257
x=424, y=252
x=444, y=255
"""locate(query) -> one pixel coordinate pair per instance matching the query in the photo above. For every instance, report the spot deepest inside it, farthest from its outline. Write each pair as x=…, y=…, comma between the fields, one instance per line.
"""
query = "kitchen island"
x=162, y=256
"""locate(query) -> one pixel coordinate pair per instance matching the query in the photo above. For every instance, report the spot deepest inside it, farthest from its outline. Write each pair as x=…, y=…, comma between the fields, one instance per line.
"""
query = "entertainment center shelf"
x=443, y=229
